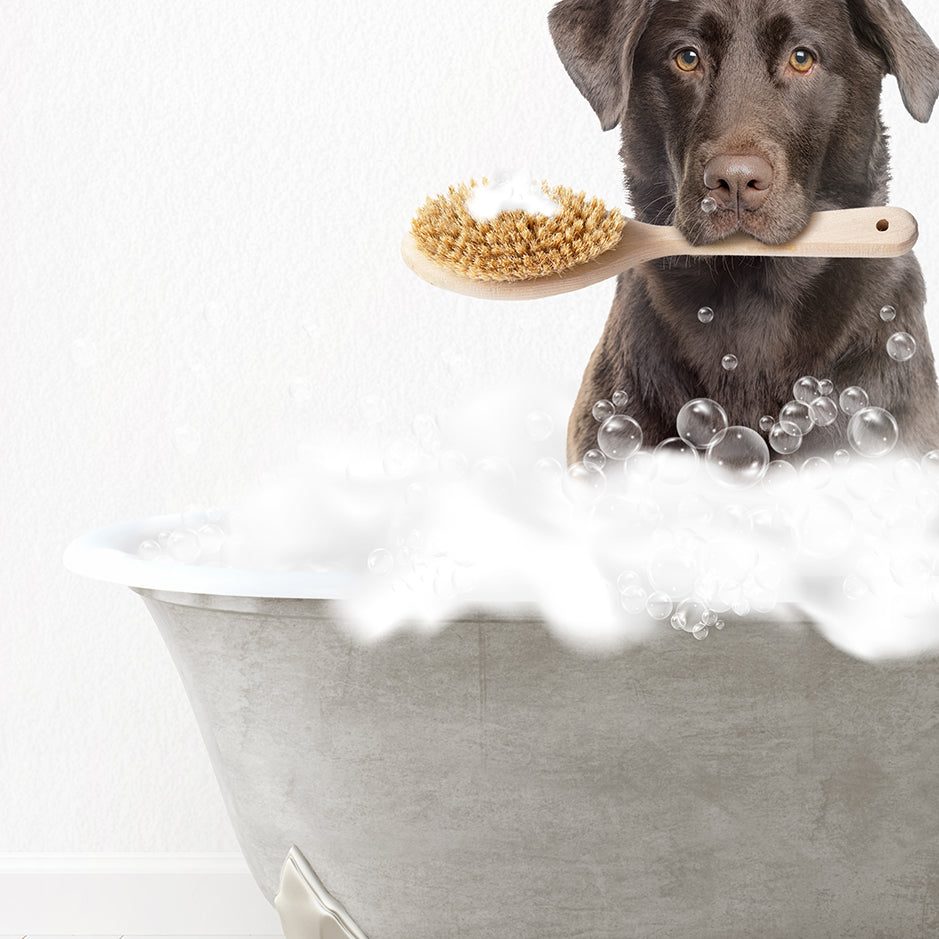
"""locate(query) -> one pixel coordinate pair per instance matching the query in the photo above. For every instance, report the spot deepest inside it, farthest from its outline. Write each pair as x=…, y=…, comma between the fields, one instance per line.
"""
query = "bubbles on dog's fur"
x=901, y=347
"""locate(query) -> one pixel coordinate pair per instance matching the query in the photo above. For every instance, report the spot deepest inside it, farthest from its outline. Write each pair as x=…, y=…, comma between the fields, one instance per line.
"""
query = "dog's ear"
x=910, y=54
x=596, y=40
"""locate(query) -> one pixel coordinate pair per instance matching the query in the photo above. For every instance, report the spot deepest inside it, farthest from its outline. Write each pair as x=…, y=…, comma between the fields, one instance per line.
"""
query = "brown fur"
x=823, y=136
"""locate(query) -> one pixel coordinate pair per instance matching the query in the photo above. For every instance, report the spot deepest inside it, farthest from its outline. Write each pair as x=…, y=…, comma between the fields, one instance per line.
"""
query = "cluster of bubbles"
x=199, y=538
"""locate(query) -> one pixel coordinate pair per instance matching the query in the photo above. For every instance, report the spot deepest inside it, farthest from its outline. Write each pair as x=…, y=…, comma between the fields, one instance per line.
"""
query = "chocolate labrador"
x=771, y=109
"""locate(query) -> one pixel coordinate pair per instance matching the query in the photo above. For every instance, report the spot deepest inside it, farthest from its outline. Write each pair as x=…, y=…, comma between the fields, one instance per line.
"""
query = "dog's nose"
x=738, y=182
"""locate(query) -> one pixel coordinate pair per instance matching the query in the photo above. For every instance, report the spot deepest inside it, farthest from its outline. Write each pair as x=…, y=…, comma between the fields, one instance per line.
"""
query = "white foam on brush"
x=519, y=192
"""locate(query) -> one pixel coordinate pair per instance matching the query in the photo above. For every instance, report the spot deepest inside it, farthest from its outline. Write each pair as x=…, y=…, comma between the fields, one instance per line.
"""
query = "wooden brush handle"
x=878, y=232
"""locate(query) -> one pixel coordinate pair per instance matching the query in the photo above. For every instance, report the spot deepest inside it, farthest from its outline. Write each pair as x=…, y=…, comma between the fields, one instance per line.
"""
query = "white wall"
x=201, y=201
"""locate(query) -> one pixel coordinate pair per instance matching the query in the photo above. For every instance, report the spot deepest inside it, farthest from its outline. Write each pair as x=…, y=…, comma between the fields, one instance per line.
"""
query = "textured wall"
x=201, y=205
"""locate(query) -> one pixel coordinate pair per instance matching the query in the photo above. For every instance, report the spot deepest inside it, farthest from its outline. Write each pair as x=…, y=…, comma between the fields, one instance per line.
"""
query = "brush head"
x=515, y=245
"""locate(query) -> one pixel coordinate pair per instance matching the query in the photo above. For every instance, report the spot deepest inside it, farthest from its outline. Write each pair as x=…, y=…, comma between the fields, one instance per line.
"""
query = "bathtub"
x=489, y=781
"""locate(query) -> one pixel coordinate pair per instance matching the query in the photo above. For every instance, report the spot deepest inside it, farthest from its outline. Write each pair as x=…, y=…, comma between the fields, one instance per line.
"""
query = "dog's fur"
x=822, y=135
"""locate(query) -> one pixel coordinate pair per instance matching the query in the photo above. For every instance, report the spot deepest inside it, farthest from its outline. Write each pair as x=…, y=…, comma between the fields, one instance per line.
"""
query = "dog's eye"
x=687, y=60
x=802, y=61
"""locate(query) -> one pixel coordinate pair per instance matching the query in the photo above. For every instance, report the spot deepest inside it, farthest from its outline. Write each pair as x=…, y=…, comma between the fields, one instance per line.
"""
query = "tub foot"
x=306, y=909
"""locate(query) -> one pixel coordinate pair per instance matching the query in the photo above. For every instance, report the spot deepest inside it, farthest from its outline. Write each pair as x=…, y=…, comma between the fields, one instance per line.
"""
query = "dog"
x=772, y=109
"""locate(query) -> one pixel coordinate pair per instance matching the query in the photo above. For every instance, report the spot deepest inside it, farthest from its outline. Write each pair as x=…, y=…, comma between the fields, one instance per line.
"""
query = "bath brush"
x=520, y=256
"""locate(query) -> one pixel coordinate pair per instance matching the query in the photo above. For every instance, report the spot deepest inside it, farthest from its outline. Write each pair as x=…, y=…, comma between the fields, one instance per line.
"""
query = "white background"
x=201, y=204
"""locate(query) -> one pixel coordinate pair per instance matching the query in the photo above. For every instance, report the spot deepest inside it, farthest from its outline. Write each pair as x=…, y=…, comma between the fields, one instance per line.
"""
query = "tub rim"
x=110, y=554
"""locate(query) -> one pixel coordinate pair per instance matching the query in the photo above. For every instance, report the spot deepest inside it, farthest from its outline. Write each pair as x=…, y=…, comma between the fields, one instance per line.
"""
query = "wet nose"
x=738, y=182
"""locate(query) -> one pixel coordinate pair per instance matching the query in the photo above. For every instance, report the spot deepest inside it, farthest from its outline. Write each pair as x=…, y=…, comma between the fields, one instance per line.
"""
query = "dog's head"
x=769, y=107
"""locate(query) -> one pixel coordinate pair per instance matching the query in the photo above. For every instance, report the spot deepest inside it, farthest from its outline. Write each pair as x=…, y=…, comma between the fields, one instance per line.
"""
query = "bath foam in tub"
x=473, y=507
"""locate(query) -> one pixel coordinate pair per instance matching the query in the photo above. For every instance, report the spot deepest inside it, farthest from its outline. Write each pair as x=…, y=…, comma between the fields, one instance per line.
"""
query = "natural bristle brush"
x=519, y=254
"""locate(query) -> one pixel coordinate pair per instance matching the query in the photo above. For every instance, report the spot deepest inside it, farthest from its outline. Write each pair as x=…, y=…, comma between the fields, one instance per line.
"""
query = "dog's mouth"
x=710, y=225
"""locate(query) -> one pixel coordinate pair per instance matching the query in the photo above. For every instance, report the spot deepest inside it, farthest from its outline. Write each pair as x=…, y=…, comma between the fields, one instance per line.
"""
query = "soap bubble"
x=853, y=399
x=539, y=425
x=620, y=399
x=806, y=389
x=826, y=387
x=149, y=550
x=659, y=605
x=700, y=421
x=584, y=485
x=211, y=538
x=841, y=457
x=619, y=437
x=690, y=613
x=782, y=441
x=595, y=458
x=705, y=315
x=737, y=458
x=633, y=599
x=873, y=432
x=380, y=561
x=602, y=410
x=901, y=347
x=628, y=579
x=729, y=363
x=700, y=631
x=823, y=411
x=796, y=418
x=709, y=205
x=888, y=313
x=677, y=460
x=766, y=423
x=930, y=461
x=816, y=472
x=183, y=546
x=779, y=477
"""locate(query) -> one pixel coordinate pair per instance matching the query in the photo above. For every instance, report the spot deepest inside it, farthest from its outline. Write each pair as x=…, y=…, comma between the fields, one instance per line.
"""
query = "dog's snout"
x=738, y=182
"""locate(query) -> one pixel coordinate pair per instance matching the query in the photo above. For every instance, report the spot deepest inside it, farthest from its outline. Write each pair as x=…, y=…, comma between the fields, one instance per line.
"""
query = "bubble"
x=855, y=587
x=796, y=418
x=183, y=546
x=852, y=399
x=690, y=613
x=729, y=363
x=700, y=421
x=380, y=561
x=709, y=205
x=211, y=538
x=584, y=485
x=930, y=461
x=619, y=437
x=633, y=599
x=677, y=460
x=149, y=550
x=888, y=313
x=737, y=458
x=595, y=458
x=841, y=457
x=780, y=476
x=766, y=423
x=782, y=441
x=901, y=347
x=602, y=410
x=816, y=472
x=494, y=478
x=539, y=425
x=823, y=411
x=628, y=579
x=806, y=389
x=549, y=469
x=620, y=399
x=700, y=631
x=705, y=315
x=826, y=387
x=872, y=432
x=659, y=605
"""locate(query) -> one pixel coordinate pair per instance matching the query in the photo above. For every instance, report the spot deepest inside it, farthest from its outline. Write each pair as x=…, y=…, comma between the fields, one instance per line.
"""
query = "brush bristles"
x=515, y=245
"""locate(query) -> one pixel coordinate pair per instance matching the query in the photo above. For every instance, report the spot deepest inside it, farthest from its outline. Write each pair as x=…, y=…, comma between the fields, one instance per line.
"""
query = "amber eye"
x=802, y=61
x=687, y=60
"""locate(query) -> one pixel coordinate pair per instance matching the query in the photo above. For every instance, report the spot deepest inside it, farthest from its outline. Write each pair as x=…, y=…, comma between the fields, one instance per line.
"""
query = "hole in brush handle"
x=883, y=224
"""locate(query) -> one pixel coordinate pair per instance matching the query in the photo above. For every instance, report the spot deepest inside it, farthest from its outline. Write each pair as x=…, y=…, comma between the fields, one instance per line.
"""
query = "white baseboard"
x=137, y=894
